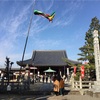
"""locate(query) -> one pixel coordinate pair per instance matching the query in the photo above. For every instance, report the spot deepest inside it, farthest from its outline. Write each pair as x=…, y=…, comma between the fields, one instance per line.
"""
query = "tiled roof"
x=46, y=58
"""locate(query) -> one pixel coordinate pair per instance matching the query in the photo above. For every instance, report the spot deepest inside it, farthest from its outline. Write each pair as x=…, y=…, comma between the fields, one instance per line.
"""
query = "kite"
x=49, y=17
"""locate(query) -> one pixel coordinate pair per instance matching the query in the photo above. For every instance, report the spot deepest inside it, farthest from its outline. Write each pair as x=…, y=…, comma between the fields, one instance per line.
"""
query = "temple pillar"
x=68, y=74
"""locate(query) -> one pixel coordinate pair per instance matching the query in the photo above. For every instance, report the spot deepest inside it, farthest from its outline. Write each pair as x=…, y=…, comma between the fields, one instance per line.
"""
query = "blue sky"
x=67, y=32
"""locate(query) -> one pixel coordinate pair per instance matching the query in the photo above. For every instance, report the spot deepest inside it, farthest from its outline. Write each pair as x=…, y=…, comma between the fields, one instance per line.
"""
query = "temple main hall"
x=45, y=59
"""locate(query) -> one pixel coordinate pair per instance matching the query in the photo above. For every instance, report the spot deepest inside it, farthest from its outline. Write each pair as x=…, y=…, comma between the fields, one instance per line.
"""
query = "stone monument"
x=96, y=86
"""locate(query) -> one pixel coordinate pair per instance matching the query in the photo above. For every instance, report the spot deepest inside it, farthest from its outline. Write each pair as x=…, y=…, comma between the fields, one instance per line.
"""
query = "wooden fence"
x=77, y=85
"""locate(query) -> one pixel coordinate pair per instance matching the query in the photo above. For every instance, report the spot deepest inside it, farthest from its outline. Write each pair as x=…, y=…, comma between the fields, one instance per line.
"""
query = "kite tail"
x=50, y=18
x=52, y=14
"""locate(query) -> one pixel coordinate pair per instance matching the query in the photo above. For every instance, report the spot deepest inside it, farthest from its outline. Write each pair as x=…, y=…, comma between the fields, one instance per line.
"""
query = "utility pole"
x=27, y=36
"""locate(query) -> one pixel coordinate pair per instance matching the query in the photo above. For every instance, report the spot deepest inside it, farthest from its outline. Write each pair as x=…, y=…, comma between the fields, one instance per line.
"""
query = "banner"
x=82, y=71
x=74, y=70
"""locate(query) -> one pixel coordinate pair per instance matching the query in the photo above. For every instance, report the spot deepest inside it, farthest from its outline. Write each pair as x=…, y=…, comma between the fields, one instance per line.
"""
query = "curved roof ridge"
x=48, y=50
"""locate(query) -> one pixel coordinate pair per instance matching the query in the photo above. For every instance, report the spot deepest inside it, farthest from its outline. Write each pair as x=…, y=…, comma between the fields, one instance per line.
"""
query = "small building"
x=42, y=60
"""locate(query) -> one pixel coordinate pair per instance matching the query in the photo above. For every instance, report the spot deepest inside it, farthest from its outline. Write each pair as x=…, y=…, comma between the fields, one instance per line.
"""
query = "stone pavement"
x=41, y=87
x=45, y=87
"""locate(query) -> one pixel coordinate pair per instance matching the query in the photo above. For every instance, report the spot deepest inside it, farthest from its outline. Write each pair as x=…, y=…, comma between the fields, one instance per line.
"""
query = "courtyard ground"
x=41, y=91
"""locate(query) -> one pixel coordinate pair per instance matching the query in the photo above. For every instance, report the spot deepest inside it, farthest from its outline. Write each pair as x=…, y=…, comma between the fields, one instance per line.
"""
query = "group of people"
x=58, y=83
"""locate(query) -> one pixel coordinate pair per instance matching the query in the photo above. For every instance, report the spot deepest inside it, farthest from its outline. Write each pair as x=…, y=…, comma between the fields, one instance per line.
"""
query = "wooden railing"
x=82, y=85
x=77, y=85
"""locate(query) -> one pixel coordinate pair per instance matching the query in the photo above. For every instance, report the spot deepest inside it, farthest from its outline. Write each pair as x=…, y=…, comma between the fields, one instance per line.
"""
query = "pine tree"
x=87, y=51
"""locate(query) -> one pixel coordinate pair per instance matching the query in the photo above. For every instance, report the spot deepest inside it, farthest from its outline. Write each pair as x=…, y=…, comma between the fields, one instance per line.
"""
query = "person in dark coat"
x=43, y=79
x=61, y=87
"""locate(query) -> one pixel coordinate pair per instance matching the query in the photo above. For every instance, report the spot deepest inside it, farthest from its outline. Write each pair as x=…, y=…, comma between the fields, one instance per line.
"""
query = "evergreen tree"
x=87, y=51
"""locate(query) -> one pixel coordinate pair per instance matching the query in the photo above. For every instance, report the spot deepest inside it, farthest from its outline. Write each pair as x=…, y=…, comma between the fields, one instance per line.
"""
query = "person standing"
x=61, y=87
x=46, y=79
x=43, y=78
x=56, y=86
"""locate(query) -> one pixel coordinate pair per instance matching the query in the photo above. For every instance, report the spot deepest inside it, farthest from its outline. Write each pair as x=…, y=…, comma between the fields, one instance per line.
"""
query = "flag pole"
x=27, y=36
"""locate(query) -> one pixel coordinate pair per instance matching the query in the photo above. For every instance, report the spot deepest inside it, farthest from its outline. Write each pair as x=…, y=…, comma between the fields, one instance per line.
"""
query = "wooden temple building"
x=43, y=60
